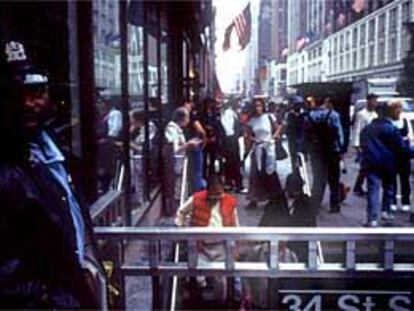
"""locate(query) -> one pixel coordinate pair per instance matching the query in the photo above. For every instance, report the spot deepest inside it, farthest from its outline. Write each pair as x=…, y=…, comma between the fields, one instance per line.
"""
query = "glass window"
x=354, y=37
x=362, y=58
x=406, y=10
x=371, y=30
x=363, y=34
x=381, y=25
x=348, y=40
x=381, y=52
x=354, y=60
x=109, y=120
x=393, y=20
x=348, y=62
x=393, y=49
x=371, y=53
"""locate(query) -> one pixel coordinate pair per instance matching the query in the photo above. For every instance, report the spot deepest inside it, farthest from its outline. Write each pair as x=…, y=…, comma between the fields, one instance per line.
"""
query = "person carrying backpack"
x=324, y=140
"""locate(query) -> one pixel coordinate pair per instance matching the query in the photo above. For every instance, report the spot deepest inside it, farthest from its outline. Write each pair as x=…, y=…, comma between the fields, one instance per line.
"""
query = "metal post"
x=155, y=280
x=146, y=104
x=350, y=255
x=123, y=29
x=87, y=99
x=274, y=255
x=160, y=146
x=388, y=255
x=121, y=276
x=312, y=255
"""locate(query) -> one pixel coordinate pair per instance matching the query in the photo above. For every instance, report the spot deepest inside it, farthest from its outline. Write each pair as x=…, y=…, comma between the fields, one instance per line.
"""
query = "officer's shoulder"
x=11, y=176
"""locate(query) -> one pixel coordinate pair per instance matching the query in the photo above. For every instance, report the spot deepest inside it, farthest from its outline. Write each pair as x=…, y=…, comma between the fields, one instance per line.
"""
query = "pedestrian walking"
x=195, y=129
x=231, y=150
x=324, y=141
x=45, y=228
x=214, y=137
x=294, y=123
x=403, y=161
x=382, y=147
x=363, y=118
x=261, y=133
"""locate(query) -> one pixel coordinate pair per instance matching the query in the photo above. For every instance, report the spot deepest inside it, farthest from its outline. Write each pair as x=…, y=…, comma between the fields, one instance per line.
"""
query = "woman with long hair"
x=261, y=133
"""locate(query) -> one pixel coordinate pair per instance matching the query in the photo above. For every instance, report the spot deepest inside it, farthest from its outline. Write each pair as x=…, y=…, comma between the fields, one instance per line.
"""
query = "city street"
x=353, y=211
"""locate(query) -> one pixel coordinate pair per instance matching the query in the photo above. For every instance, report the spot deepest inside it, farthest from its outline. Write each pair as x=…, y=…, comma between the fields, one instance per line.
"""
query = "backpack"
x=321, y=135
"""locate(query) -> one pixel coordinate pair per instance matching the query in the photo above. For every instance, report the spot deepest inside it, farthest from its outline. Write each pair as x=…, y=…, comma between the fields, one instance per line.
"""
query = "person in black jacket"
x=383, y=147
x=294, y=127
x=45, y=229
x=291, y=208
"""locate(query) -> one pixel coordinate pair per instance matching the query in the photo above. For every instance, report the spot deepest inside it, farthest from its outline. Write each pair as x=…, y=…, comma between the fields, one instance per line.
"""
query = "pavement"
x=353, y=210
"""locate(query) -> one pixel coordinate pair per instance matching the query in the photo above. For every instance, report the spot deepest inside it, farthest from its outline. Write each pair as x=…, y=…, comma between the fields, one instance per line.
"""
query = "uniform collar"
x=44, y=150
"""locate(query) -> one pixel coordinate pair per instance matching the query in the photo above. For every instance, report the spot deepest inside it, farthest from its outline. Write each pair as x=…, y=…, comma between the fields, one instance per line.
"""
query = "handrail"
x=183, y=195
x=347, y=268
x=99, y=206
x=256, y=233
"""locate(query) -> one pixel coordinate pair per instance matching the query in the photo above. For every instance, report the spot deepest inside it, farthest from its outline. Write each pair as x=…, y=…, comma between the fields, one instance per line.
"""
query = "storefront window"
x=109, y=125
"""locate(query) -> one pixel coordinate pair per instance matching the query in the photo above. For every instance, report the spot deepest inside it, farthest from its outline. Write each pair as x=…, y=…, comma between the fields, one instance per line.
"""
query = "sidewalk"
x=353, y=211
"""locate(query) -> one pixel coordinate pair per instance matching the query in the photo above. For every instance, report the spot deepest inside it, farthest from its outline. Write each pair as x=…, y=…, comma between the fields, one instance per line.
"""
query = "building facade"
x=373, y=46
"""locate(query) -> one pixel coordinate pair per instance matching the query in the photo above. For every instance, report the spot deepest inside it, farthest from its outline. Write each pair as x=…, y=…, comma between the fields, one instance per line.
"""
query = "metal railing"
x=108, y=210
x=273, y=268
x=183, y=196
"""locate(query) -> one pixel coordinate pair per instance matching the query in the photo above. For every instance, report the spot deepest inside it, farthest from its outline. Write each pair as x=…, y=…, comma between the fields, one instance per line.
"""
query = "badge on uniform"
x=15, y=52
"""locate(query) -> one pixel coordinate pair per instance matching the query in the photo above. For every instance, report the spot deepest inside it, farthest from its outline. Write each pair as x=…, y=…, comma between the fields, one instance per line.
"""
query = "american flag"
x=243, y=25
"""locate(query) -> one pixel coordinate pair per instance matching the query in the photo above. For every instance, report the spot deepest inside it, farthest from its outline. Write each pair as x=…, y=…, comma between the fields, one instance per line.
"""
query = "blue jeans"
x=374, y=187
x=199, y=182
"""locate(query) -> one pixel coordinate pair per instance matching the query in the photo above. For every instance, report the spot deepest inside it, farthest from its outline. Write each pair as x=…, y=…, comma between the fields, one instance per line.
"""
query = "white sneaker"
x=394, y=207
x=371, y=223
x=387, y=216
x=406, y=208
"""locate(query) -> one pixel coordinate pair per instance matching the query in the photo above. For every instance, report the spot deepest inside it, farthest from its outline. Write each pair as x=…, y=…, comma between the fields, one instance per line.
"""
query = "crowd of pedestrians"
x=314, y=128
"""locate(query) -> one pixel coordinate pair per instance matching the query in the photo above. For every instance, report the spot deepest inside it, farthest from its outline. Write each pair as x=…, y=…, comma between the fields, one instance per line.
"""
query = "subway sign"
x=346, y=295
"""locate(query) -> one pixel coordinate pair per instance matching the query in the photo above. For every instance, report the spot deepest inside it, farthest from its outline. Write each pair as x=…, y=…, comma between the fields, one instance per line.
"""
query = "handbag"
x=281, y=153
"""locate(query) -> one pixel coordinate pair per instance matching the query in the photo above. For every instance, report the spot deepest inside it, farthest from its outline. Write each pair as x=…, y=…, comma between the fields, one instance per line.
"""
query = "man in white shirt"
x=232, y=166
x=114, y=122
x=174, y=149
x=363, y=118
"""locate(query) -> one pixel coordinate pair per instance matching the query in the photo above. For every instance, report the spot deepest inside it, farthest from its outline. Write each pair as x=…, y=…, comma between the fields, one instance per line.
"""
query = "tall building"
x=297, y=28
x=265, y=32
x=280, y=26
x=272, y=41
x=252, y=52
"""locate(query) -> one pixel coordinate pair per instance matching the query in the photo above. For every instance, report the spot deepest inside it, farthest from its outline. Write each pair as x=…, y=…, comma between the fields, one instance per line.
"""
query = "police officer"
x=45, y=230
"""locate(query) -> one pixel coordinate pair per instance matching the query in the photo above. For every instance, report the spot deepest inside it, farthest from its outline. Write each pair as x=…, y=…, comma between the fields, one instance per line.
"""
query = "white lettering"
x=368, y=304
x=343, y=302
x=294, y=301
x=314, y=304
x=394, y=306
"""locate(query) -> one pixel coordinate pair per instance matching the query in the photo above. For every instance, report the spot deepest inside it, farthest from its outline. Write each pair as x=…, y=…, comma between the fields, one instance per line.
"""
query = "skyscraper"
x=297, y=28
